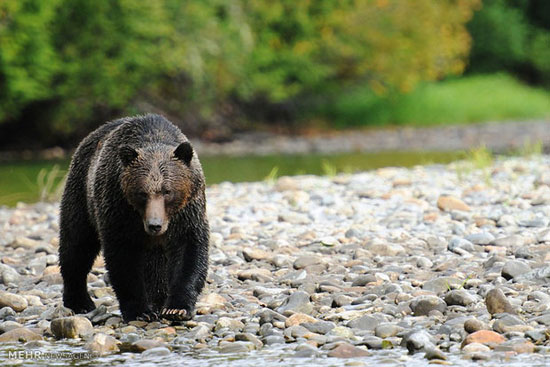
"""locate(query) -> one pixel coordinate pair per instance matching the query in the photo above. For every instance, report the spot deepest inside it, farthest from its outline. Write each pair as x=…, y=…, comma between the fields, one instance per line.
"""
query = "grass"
x=469, y=99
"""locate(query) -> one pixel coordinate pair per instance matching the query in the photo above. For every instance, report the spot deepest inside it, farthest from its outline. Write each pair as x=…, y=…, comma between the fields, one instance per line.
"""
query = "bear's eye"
x=167, y=193
x=142, y=195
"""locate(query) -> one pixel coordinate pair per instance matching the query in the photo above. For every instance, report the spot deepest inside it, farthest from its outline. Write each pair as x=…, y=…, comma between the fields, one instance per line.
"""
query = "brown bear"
x=135, y=189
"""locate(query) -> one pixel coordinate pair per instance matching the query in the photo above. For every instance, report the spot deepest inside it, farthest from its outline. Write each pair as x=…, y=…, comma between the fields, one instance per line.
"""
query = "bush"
x=88, y=60
x=512, y=36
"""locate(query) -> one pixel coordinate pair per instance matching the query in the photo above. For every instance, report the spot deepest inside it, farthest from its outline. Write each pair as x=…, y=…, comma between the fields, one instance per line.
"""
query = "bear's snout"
x=154, y=226
x=155, y=222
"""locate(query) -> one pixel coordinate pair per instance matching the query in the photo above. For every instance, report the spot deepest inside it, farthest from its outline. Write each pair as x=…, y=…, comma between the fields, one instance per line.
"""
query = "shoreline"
x=499, y=137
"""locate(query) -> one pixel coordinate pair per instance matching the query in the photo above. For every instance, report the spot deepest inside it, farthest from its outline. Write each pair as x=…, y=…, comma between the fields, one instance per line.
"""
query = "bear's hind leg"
x=77, y=252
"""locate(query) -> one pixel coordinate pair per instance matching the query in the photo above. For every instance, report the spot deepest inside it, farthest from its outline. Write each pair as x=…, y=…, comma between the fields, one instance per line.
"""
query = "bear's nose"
x=154, y=226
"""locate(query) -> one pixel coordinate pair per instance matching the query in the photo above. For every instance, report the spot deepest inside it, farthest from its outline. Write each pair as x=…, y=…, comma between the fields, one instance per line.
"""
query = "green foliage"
x=513, y=36
x=28, y=61
x=89, y=60
x=465, y=100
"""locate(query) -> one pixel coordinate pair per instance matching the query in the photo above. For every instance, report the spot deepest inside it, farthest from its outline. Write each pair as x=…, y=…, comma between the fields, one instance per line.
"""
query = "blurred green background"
x=216, y=67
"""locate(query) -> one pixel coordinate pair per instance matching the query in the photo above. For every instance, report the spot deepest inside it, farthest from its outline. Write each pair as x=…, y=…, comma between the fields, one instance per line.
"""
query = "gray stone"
x=363, y=279
x=459, y=245
x=423, y=305
x=472, y=325
x=14, y=301
x=9, y=325
x=8, y=274
x=514, y=268
x=537, y=336
x=199, y=332
x=383, y=248
x=229, y=323
x=319, y=327
x=366, y=322
x=539, y=296
x=502, y=324
x=156, y=352
x=417, y=340
x=441, y=285
x=459, y=297
x=541, y=275
x=103, y=344
x=19, y=335
x=497, y=302
x=306, y=260
x=273, y=339
x=372, y=342
x=480, y=238
x=542, y=319
x=387, y=330
x=432, y=352
x=296, y=302
x=509, y=241
x=268, y=316
x=71, y=327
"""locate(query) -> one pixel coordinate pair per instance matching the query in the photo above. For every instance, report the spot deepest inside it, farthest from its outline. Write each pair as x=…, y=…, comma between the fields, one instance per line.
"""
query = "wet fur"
x=99, y=210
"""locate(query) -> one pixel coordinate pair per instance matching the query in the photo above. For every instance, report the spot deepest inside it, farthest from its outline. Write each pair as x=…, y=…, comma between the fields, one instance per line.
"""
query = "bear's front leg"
x=126, y=268
x=187, y=273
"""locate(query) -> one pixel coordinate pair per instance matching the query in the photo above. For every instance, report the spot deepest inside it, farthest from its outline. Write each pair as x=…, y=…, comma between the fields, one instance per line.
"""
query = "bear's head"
x=157, y=182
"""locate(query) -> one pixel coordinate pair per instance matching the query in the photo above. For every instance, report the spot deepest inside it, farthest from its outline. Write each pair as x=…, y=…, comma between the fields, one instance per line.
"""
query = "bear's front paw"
x=146, y=315
x=82, y=304
x=176, y=314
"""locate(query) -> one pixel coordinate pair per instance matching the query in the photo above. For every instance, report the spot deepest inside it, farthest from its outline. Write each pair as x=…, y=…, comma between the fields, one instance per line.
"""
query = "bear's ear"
x=127, y=154
x=184, y=152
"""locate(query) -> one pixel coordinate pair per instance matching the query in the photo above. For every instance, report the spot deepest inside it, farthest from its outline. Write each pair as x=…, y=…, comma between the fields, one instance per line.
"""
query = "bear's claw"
x=148, y=317
x=174, y=314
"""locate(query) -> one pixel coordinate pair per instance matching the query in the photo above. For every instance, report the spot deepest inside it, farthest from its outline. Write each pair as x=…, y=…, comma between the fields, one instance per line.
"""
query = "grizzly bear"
x=135, y=189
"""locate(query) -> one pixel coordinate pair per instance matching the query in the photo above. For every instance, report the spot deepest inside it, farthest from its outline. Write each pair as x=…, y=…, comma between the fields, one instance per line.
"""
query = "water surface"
x=31, y=181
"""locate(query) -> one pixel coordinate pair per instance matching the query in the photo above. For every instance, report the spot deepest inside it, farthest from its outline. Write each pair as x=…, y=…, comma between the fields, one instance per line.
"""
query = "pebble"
x=146, y=344
x=423, y=305
x=448, y=203
x=472, y=325
x=387, y=330
x=417, y=340
x=497, y=302
x=71, y=327
x=486, y=337
x=459, y=297
x=8, y=274
x=20, y=334
x=514, y=268
x=156, y=352
x=346, y=350
x=298, y=301
x=319, y=327
x=298, y=319
x=14, y=301
x=103, y=344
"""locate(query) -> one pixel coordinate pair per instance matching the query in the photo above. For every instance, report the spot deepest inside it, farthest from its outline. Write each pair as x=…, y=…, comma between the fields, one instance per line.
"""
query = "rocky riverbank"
x=436, y=264
x=500, y=137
